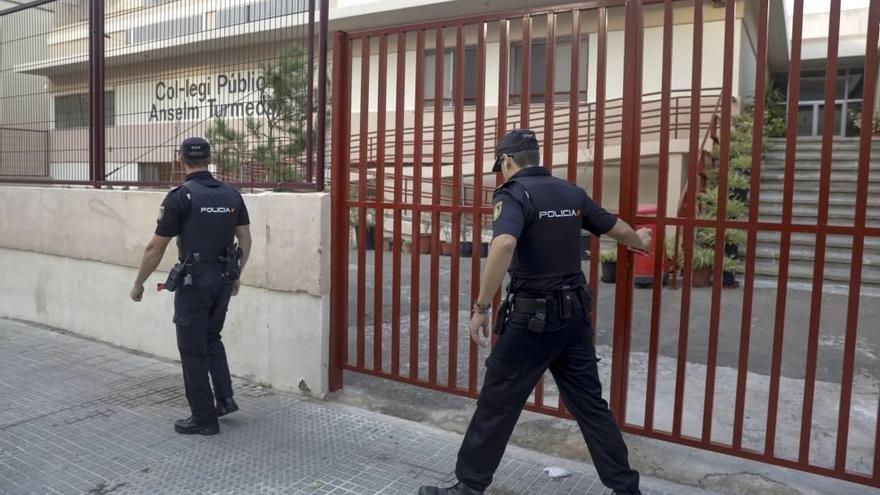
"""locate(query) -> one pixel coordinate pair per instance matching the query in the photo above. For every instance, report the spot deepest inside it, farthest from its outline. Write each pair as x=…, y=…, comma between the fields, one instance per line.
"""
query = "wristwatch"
x=482, y=309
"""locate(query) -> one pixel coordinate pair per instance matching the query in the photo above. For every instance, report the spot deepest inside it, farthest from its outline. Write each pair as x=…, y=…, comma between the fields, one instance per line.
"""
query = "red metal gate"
x=414, y=124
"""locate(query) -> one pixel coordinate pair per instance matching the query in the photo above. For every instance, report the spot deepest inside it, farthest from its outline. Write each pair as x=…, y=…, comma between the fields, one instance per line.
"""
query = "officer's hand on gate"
x=645, y=235
x=480, y=321
x=137, y=293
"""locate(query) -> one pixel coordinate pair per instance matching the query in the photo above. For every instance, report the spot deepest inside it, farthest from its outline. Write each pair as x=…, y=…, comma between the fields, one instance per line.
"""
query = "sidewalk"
x=78, y=416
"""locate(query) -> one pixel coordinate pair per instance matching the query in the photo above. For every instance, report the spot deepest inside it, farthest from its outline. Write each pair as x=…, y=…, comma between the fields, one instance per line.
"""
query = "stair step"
x=804, y=165
x=804, y=199
x=812, y=186
x=837, y=154
x=806, y=255
x=809, y=143
x=870, y=278
x=841, y=216
x=832, y=242
x=814, y=176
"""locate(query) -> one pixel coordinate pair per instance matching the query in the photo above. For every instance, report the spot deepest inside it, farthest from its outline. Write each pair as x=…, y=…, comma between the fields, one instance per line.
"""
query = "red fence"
x=399, y=310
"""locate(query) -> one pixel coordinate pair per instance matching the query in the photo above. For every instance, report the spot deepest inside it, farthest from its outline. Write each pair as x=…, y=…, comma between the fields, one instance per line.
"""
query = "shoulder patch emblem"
x=497, y=213
x=161, y=212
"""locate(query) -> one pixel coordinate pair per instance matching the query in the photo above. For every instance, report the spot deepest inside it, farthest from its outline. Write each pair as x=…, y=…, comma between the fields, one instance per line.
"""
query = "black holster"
x=502, y=316
x=182, y=271
x=231, y=260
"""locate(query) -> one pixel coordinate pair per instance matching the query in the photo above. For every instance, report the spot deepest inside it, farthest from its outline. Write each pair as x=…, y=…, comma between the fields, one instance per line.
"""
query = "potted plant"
x=857, y=121
x=466, y=246
x=729, y=269
x=369, y=228
x=703, y=261
x=741, y=165
x=445, y=244
x=425, y=236
x=738, y=185
x=406, y=247
x=585, y=246
x=733, y=239
x=608, y=258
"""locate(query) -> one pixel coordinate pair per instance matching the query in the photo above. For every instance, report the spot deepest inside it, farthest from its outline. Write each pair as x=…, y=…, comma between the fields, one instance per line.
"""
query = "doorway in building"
x=848, y=102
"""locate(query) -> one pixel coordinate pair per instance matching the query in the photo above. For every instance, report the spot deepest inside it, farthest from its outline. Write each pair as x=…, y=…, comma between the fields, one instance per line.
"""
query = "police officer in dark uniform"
x=545, y=320
x=206, y=216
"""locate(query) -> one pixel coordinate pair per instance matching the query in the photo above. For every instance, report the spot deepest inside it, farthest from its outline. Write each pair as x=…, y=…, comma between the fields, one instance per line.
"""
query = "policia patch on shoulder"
x=161, y=212
x=497, y=213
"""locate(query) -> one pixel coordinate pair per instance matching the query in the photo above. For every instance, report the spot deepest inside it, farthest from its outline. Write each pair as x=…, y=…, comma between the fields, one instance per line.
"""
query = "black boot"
x=190, y=426
x=459, y=489
x=226, y=406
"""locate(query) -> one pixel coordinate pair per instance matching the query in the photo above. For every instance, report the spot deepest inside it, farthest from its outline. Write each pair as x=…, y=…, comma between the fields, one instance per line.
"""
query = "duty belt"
x=563, y=300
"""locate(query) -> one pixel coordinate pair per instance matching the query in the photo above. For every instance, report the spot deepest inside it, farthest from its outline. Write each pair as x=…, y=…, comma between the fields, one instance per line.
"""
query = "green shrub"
x=703, y=258
x=730, y=265
x=608, y=256
x=737, y=181
x=741, y=163
x=735, y=237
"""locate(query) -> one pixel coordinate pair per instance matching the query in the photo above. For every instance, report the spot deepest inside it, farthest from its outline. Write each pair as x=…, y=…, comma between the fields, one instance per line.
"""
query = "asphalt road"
x=796, y=323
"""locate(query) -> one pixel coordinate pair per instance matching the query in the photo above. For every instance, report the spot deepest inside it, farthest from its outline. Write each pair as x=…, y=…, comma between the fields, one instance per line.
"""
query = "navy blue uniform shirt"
x=176, y=206
x=546, y=260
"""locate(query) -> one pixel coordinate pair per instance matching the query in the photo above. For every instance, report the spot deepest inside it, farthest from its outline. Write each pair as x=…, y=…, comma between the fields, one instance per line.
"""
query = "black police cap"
x=195, y=149
x=515, y=141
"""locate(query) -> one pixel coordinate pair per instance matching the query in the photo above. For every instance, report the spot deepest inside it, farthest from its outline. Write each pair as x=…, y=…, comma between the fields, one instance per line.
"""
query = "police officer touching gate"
x=206, y=216
x=544, y=321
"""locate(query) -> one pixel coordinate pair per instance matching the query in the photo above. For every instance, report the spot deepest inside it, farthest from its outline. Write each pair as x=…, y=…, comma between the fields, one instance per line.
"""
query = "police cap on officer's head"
x=515, y=141
x=195, y=150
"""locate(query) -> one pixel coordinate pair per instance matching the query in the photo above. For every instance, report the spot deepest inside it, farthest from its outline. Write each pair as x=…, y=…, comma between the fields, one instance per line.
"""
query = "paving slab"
x=82, y=417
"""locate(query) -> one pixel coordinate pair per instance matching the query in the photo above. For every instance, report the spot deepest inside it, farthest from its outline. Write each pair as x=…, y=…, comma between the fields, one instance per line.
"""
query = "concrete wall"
x=69, y=257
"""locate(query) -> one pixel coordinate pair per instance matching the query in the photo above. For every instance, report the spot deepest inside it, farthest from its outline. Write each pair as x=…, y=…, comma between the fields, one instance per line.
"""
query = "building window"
x=72, y=111
x=470, y=76
x=166, y=30
x=538, y=70
x=154, y=171
x=848, y=89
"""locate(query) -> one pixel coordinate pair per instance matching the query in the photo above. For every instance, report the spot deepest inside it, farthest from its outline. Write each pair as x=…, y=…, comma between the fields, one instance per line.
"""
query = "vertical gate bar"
x=852, y=316
x=634, y=194
x=458, y=118
x=550, y=91
x=503, y=97
x=503, y=76
x=828, y=133
x=660, y=231
x=691, y=198
x=574, y=100
x=628, y=168
x=399, y=102
x=525, y=81
x=310, y=95
x=436, y=185
x=322, y=95
x=787, y=206
x=97, y=118
x=752, y=242
x=379, y=253
x=415, y=252
x=477, y=219
x=598, y=152
x=724, y=166
x=340, y=226
x=574, y=113
x=362, y=196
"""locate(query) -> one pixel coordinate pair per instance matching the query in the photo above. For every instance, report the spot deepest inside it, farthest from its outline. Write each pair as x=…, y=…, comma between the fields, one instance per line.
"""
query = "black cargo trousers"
x=518, y=360
x=199, y=314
